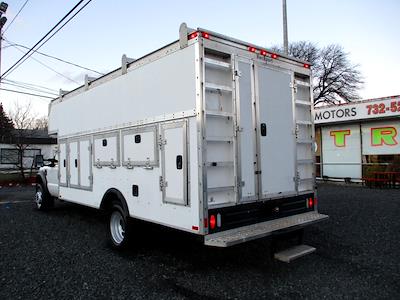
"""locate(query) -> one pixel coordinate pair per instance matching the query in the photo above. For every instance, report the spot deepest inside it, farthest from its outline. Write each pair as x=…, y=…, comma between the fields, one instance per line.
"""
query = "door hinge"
x=238, y=129
x=293, y=85
x=238, y=73
x=257, y=172
x=163, y=184
x=161, y=142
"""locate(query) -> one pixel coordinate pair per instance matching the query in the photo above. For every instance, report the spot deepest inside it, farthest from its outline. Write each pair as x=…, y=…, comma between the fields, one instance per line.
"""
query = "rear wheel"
x=119, y=227
x=43, y=200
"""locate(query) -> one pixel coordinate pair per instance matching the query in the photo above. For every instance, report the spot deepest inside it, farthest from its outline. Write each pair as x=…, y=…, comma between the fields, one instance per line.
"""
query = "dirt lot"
x=64, y=254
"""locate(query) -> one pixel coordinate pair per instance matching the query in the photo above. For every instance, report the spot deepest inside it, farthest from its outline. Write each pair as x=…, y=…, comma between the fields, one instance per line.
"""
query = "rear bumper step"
x=293, y=253
x=255, y=231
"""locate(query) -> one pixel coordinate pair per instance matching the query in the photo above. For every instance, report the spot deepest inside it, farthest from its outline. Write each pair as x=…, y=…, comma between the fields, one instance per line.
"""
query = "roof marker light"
x=193, y=35
x=252, y=49
x=205, y=35
x=263, y=52
x=307, y=66
x=274, y=56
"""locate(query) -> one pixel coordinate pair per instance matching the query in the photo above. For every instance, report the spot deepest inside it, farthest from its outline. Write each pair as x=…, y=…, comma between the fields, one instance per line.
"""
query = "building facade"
x=358, y=139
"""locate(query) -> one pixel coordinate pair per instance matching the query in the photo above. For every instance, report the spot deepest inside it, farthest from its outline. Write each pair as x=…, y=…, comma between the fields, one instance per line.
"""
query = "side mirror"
x=39, y=161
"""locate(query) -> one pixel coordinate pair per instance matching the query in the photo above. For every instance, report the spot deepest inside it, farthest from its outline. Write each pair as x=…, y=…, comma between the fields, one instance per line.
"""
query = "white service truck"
x=209, y=134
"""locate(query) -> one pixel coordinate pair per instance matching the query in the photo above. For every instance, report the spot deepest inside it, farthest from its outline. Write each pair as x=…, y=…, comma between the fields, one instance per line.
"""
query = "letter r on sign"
x=339, y=137
x=383, y=135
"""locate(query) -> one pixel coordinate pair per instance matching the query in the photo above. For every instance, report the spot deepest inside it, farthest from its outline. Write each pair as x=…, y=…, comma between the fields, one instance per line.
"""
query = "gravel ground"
x=64, y=254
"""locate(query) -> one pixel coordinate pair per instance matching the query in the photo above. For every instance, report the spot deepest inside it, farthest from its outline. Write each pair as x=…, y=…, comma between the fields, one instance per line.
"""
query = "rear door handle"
x=263, y=129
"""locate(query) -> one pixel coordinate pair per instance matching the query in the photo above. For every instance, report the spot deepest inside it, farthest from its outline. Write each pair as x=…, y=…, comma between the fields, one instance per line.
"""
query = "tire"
x=119, y=227
x=43, y=200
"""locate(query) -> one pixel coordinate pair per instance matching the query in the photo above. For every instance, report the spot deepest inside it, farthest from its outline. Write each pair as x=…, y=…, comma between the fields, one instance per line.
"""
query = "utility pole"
x=3, y=20
x=285, y=30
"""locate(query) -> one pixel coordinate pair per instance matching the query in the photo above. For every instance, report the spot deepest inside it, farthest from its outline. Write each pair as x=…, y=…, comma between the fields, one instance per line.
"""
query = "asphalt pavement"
x=64, y=254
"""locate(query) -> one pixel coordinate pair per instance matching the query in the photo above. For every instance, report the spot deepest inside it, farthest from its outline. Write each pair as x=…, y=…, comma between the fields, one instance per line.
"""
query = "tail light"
x=310, y=202
x=213, y=222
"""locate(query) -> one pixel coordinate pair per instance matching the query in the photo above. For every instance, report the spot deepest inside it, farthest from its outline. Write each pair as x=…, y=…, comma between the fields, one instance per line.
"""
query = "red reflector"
x=213, y=222
x=205, y=223
x=195, y=227
x=263, y=52
x=307, y=66
x=315, y=201
x=205, y=35
x=310, y=202
x=274, y=56
x=252, y=49
x=193, y=35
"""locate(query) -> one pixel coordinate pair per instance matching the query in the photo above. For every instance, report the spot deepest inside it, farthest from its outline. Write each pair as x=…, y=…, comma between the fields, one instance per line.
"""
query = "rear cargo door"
x=246, y=133
x=265, y=131
x=275, y=132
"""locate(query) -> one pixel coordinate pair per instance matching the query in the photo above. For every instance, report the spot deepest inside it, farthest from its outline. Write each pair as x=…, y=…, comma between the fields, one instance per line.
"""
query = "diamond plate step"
x=255, y=231
x=292, y=253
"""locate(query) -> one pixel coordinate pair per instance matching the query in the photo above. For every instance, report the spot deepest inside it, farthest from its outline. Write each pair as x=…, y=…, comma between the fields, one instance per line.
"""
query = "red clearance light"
x=274, y=56
x=307, y=66
x=205, y=223
x=205, y=35
x=193, y=35
x=263, y=52
x=252, y=49
x=213, y=222
x=195, y=227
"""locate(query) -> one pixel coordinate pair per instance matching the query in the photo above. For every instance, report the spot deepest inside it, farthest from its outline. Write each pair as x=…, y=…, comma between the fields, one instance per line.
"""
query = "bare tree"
x=41, y=123
x=335, y=78
x=24, y=123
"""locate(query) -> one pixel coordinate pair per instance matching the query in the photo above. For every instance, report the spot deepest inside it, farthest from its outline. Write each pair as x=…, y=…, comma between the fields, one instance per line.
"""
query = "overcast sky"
x=368, y=30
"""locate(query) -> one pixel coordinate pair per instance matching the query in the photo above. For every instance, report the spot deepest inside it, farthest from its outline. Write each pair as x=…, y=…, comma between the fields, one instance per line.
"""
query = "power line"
x=24, y=93
x=44, y=37
x=30, y=85
x=22, y=7
x=30, y=88
x=46, y=66
x=51, y=56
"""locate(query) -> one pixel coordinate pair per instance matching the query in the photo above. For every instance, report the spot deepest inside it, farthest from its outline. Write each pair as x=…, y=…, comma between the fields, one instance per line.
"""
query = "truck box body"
x=204, y=135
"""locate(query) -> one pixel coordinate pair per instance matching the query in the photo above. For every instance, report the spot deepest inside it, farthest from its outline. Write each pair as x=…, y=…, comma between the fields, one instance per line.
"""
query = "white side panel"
x=85, y=163
x=62, y=162
x=106, y=149
x=139, y=147
x=341, y=151
x=73, y=166
x=277, y=149
x=165, y=86
x=246, y=132
x=174, y=163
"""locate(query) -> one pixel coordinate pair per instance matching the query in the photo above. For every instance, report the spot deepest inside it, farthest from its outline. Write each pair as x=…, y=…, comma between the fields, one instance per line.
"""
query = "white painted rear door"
x=246, y=131
x=174, y=163
x=62, y=163
x=275, y=132
x=85, y=163
x=73, y=164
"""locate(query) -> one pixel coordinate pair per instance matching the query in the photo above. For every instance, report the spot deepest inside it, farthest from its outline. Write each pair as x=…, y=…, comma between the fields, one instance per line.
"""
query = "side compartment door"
x=173, y=181
x=73, y=167
x=85, y=164
x=62, y=163
x=275, y=132
x=246, y=135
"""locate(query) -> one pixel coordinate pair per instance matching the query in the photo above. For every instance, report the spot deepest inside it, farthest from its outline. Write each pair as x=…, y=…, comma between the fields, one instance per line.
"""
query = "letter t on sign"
x=339, y=137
